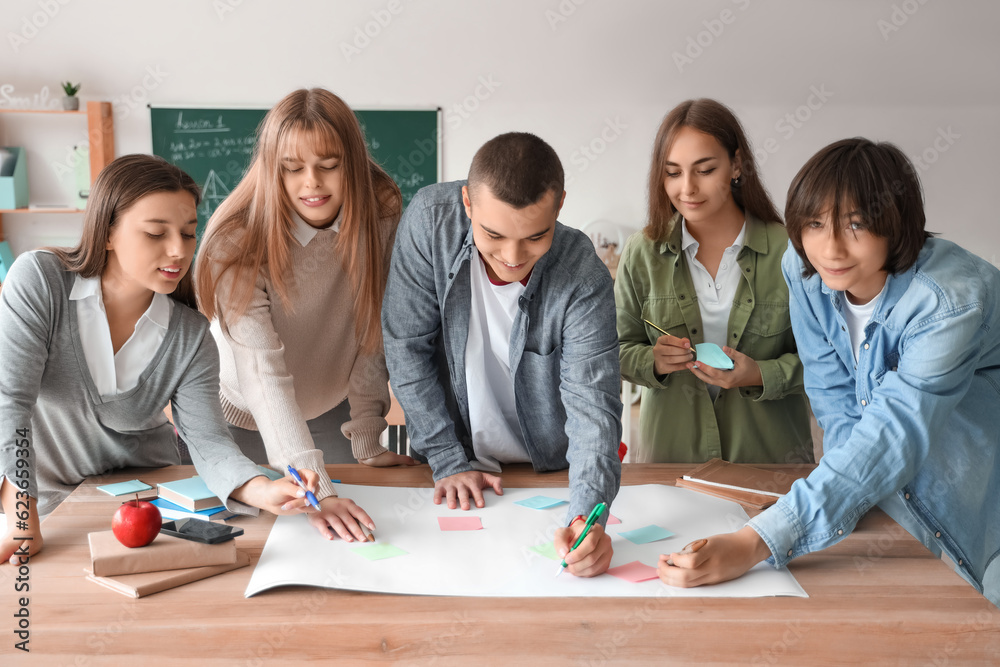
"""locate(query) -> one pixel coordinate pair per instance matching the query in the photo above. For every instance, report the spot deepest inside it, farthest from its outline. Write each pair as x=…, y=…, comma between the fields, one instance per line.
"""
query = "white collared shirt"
x=117, y=373
x=304, y=232
x=715, y=296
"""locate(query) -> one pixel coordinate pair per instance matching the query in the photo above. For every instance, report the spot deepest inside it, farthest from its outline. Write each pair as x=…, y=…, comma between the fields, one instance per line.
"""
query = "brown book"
x=738, y=482
x=109, y=557
x=147, y=583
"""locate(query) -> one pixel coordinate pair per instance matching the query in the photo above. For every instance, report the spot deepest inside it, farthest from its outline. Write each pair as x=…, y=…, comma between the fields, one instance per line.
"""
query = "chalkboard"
x=214, y=146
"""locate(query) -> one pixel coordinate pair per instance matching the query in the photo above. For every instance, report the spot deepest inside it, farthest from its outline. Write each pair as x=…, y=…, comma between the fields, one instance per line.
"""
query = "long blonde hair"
x=251, y=231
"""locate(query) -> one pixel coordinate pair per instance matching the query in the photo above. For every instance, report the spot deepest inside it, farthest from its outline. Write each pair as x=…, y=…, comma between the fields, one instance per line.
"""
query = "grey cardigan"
x=72, y=431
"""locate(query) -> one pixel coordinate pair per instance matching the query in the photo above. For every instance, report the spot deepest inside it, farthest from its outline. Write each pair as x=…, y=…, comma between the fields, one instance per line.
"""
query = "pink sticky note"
x=612, y=520
x=460, y=523
x=634, y=572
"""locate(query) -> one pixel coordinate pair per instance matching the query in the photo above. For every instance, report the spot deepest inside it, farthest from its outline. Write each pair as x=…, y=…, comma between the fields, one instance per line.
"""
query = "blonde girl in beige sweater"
x=292, y=271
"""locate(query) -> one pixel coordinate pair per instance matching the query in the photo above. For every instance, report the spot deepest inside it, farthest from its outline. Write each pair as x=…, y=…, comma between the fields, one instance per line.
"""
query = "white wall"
x=577, y=72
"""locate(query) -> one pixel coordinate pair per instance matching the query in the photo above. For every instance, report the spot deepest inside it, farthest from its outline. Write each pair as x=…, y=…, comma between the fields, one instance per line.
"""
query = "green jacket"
x=679, y=422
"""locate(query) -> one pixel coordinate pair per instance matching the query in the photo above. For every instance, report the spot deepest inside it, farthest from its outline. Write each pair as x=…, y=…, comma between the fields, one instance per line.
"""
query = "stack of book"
x=189, y=499
x=165, y=563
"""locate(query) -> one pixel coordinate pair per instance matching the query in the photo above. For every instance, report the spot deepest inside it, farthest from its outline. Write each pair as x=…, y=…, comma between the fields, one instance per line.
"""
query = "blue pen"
x=298, y=480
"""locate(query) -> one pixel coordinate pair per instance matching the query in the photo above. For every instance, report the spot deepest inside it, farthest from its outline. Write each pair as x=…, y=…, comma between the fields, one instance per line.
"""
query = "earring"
x=736, y=182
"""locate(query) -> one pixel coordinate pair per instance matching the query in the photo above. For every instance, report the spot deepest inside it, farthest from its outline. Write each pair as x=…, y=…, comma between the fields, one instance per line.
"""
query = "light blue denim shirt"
x=913, y=426
x=563, y=349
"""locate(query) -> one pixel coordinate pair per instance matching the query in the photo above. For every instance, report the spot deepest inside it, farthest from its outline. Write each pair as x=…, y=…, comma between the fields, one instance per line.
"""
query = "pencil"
x=665, y=333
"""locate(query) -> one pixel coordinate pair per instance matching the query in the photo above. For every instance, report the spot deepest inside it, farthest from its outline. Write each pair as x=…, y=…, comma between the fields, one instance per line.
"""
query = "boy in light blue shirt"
x=899, y=334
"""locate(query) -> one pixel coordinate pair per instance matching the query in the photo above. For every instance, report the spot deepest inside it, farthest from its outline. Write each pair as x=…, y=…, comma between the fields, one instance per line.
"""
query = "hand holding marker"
x=594, y=514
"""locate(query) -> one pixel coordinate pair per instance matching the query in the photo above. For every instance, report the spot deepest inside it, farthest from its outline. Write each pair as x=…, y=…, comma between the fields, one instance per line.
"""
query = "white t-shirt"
x=715, y=296
x=496, y=432
x=115, y=373
x=857, y=318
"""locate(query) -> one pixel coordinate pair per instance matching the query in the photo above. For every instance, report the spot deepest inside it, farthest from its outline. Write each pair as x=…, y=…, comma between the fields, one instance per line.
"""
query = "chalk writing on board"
x=212, y=194
x=199, y=125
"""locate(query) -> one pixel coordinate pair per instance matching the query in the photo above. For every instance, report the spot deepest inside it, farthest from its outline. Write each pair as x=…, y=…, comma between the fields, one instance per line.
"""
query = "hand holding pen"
x=584, y=547
x=336, y=516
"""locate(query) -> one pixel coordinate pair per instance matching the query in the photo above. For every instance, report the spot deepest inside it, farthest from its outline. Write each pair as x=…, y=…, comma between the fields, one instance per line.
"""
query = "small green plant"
x=70, y=88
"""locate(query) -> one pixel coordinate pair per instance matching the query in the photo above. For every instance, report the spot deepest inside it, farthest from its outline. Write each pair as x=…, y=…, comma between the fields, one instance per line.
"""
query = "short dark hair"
x=518, y=168
x=874, y=179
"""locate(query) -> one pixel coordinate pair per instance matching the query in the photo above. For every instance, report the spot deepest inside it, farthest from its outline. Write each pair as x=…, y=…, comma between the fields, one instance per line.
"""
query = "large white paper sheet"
x=497, y=561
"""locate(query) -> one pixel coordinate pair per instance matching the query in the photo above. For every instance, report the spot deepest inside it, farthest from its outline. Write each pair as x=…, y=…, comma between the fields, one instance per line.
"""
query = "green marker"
x=594, y=514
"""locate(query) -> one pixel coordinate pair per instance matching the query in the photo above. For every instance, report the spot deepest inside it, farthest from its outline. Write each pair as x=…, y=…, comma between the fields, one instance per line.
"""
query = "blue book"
x=192, y=494
x=172, y=512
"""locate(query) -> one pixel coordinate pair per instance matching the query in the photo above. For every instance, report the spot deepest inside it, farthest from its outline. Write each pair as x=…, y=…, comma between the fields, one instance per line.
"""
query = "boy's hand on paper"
x=721, y=558
x=341, y=517
x=671, y=354
x=387, y=458
x=592, y=557
x=459, y=487
x=745, y=371
x=14, y=546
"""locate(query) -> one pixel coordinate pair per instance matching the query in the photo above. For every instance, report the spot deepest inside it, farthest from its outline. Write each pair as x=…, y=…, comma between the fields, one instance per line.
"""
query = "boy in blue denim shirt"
x=899, y=334
x=500, y=338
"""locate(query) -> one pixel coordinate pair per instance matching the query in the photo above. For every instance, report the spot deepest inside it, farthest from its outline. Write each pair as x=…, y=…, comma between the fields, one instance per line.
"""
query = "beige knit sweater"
x=282, y=365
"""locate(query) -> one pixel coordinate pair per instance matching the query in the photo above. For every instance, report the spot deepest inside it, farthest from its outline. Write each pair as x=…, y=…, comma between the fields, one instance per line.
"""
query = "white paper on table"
x=496, y=561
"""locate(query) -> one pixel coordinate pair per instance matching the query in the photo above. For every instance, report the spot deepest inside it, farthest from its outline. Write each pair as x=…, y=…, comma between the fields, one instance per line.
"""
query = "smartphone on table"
x=200, y=531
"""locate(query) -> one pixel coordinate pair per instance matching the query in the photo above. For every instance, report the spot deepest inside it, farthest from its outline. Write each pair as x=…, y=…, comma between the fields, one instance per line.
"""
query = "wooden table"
x=878, y=597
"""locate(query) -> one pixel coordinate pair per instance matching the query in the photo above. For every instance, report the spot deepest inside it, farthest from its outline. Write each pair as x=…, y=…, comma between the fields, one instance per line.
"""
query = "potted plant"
x=71, y=102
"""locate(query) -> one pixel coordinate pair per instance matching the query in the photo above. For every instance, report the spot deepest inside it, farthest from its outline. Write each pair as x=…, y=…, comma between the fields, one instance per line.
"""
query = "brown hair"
x=518, y=168
x=251, y=231
x=877, y=181
x=121, y=184
x=717, y=120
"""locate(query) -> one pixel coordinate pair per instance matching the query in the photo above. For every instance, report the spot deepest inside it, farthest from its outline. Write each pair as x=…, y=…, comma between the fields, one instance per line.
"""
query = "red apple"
x=136, y=523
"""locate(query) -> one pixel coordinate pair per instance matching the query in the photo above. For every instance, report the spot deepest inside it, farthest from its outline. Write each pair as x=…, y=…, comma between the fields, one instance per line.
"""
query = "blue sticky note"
x=712, y=355
x=122, y=488
x=539, y=502
x=646, y=534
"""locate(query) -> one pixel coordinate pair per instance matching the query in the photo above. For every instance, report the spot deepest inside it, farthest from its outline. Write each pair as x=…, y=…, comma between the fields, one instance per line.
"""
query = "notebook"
x=147, y=583
x=738, y=482
x=191, y=494
x=170, y=511
x=109, y=557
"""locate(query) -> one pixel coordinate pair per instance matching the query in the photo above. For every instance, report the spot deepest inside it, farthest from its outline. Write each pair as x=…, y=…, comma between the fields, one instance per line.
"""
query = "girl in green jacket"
x=707, y=269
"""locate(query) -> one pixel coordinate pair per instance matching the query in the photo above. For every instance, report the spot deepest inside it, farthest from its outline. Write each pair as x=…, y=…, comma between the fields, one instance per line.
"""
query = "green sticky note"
x=547, y=550
x=378, y=551
x=712, y=355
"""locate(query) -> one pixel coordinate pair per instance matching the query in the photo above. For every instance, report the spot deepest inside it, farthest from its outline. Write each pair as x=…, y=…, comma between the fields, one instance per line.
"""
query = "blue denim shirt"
x=563, y=349
x=913, y=426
